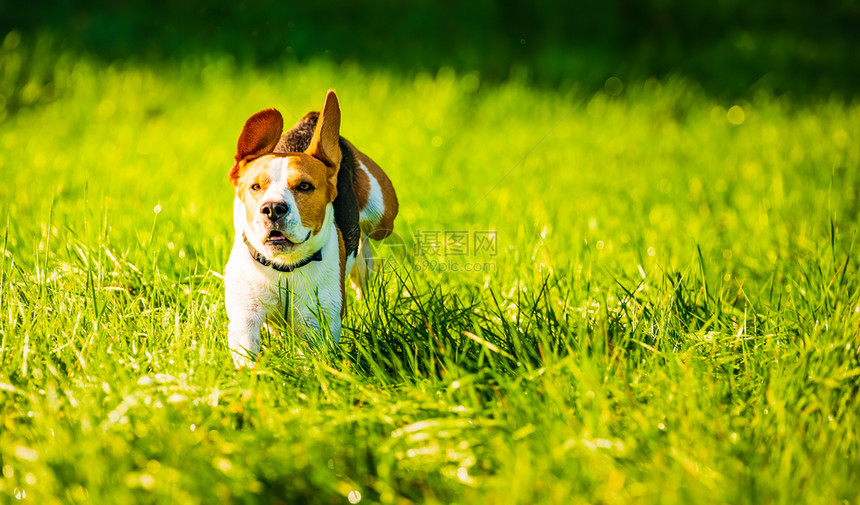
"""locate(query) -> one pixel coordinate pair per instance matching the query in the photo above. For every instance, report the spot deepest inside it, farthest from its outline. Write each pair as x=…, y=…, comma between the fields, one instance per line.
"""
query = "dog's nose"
x=274, y=210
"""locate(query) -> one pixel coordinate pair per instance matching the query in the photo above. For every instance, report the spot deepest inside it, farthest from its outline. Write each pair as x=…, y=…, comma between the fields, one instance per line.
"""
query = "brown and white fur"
x=306, y=203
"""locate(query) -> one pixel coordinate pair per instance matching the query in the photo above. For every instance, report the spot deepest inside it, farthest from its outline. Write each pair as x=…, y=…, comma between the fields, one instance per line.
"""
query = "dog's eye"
x=255, y=187
x=305, y=186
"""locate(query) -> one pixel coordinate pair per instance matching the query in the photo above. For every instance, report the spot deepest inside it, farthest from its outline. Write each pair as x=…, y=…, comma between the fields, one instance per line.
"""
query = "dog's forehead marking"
x=278, y=169
x=280, y=166
x=273, y=170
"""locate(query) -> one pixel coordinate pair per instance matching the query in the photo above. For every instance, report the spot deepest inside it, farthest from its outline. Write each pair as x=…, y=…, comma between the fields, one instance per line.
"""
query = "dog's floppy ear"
x=259, y=137
x=325, y=144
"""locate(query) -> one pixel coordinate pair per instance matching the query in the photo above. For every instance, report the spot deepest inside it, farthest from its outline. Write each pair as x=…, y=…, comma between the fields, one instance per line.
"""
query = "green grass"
x=671, y=313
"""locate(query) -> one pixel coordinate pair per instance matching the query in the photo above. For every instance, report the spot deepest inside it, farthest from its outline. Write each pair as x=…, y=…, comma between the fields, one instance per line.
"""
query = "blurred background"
x=741, y=113
x=729, y=47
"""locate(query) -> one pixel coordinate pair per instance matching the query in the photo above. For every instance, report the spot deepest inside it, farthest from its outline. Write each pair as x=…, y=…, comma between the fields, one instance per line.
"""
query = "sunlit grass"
x=668, y=313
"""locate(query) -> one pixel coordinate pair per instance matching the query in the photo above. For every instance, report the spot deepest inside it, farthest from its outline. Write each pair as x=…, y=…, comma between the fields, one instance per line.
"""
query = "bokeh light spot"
x=736, y=115
x=613, y=86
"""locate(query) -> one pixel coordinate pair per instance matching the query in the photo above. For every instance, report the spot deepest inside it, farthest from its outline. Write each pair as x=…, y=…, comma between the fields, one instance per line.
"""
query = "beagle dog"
x=306, y=203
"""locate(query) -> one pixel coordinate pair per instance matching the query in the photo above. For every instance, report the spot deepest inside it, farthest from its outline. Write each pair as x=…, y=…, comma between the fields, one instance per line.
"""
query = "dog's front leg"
x=249, y=295
x=243, y=336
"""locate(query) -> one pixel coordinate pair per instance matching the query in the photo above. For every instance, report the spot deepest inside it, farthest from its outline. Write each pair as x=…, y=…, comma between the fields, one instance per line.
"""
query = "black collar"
x=277, y=265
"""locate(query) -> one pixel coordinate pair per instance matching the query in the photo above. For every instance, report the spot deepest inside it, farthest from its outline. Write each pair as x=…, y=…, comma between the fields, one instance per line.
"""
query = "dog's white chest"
x=308, y=299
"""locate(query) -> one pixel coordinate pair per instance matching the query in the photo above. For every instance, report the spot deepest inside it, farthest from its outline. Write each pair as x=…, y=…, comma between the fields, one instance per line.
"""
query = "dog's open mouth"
x=278, y=238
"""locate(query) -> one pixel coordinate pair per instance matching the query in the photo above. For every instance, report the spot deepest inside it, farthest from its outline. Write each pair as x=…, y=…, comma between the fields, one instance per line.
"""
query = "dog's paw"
x=244, y=362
